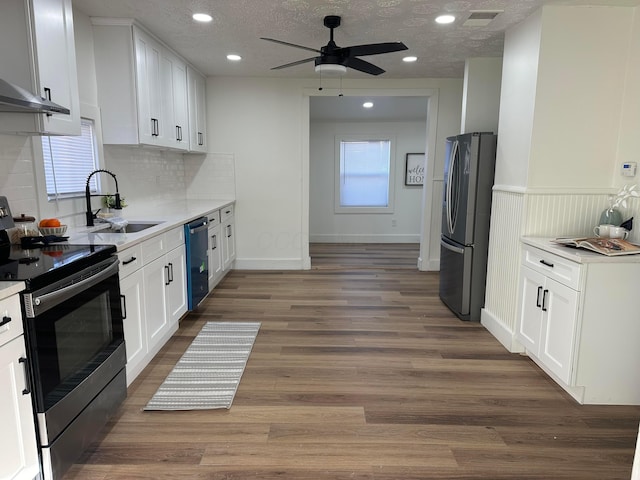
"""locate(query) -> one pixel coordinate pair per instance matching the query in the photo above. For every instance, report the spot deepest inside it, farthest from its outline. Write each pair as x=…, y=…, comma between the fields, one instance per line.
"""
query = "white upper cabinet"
x=174, y=75
x=197, y=90
x=149, y=76
x=142, y=87
x=39, y=56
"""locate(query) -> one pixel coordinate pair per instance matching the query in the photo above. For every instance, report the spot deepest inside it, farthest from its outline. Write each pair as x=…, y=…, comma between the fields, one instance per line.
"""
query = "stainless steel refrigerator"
x=466, y=211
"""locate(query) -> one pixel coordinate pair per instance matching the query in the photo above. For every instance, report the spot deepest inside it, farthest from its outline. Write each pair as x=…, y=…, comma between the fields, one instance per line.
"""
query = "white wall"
x=327, y=226
x=517, y=101
x=481, y=95
x=630, y=120
x=579, y=96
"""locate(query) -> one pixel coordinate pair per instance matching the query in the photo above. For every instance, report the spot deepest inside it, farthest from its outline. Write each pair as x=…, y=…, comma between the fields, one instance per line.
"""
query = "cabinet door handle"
x=127, y=262
x=538, y=304
x=228, y=231
x=167, y=281
x=200, y=138
x=544, y=300
x=214, y=242
x=178, y=133
x=170, y=272
x=123, y=302
x=25, y=363
x=544, y=262
x=4, y=321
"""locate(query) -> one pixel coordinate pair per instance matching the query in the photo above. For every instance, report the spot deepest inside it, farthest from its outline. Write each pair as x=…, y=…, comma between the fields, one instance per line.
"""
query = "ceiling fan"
x=334, y=60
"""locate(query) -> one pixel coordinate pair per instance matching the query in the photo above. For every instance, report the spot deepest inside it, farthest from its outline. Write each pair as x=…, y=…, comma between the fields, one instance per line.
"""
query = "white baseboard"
x=499, y=330
x=272, y=264
x=428, y=265
x=358, y=238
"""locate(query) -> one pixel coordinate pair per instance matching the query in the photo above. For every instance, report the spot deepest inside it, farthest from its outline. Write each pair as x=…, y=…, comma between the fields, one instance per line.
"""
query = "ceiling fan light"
x=331, y=69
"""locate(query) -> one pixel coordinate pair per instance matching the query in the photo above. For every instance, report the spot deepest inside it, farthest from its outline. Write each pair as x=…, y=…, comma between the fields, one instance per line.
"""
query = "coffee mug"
x=618, y=232
x=603, y=230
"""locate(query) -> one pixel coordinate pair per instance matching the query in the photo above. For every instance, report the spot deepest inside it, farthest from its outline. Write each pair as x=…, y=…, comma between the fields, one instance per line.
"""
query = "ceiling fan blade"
x=361, y=65
x=371, y=49
x=289, y=44
x=293, y=64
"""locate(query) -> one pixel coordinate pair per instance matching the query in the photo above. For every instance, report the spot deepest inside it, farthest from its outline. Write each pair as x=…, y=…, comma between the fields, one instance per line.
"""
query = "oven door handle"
x=46, y=301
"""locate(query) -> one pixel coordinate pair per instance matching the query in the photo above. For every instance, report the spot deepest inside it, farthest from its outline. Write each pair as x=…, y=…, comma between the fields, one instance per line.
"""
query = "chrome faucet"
x=87, y=196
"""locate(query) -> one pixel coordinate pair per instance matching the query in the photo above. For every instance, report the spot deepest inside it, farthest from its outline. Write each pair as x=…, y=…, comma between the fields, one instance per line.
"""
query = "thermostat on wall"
x=629, y=169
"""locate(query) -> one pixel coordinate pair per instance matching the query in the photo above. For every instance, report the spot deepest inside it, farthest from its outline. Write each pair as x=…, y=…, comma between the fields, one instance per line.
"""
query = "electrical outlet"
x=393, y=222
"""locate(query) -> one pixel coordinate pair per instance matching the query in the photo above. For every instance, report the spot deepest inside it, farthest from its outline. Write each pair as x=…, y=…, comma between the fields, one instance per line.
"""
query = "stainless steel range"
x=72, y=318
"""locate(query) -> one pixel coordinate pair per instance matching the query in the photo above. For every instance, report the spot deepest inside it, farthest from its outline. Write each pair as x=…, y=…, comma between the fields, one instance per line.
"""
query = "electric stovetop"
x=39, y=266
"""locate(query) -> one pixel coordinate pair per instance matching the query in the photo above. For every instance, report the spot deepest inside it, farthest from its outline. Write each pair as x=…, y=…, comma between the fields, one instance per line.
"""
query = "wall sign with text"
x=414, y=173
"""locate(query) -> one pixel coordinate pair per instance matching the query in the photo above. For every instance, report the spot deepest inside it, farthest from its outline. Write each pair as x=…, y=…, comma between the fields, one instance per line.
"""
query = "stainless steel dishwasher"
x=195, y=234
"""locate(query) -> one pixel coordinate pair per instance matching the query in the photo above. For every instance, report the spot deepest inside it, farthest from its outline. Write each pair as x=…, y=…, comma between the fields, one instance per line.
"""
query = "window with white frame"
x=68, y=161
x=364, y=174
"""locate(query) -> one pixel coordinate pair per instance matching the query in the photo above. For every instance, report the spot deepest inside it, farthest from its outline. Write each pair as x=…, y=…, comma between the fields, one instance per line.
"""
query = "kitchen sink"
x=130, y=228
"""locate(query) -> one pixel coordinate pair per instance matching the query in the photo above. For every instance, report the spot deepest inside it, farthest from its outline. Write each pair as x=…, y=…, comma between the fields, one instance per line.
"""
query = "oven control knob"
x=37, y=301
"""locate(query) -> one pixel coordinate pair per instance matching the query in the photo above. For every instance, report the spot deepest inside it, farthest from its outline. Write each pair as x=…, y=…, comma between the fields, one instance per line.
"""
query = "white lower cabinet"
x=548, y=320
x=153, y=283
x=228, y=237
x=215, y=249
x=135, y=326
x=176, y=291
x=578, y=321
x=18, y=450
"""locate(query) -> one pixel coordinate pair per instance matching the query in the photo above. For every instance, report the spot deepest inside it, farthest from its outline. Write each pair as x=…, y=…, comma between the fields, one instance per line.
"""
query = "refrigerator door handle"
x=454, y=156
x=450, y=247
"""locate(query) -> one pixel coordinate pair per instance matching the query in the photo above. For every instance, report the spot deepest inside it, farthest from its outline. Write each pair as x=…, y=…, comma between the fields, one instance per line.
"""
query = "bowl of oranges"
x=51, y=226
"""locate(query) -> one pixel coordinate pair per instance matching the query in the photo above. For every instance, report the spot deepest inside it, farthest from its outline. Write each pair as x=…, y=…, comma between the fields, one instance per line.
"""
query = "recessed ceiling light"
x=409, y=59
x=445, y=19
x=367, y=104
x=202, y=17
x=233, y=57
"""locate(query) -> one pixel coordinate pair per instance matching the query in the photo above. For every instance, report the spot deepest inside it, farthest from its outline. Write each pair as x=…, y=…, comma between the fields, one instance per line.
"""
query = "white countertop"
x=167, y=216
x=578, y=255
x=10, y=288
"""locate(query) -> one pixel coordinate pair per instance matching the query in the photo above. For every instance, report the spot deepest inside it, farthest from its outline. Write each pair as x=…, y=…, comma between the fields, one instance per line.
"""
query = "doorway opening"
x=339, y=236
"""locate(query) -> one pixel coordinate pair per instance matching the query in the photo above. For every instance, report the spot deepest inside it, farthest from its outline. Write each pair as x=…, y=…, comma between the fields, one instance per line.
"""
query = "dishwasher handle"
x=198, y=229
x=197, y=225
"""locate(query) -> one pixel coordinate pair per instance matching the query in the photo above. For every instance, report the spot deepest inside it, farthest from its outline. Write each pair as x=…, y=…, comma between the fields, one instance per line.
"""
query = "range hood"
x=17, y=99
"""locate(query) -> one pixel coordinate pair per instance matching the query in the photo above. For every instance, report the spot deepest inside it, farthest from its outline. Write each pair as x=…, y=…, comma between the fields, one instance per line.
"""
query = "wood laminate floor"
x=360, y=372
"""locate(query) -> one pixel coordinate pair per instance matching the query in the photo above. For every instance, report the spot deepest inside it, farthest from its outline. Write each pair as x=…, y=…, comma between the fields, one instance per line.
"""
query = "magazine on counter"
x=605, y=246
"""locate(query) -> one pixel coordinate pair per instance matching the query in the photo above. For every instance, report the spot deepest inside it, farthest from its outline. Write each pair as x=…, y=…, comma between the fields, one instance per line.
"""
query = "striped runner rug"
x=208, y=374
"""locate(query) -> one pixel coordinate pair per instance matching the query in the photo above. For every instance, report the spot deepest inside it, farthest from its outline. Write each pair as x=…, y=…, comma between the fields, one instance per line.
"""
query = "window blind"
x=68, y=161
x=364, y=173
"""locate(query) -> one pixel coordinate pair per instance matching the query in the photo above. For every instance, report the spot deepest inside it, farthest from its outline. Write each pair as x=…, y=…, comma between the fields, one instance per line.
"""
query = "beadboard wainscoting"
x=501, y=295
x=516, y=213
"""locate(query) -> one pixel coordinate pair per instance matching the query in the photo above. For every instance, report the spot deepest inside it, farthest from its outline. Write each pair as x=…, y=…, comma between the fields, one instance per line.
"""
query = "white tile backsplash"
x=17, y=179
x=210, y=176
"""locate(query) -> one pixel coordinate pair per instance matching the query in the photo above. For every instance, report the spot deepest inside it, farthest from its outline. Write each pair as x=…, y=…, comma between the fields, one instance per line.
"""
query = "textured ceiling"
x=238, y=25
